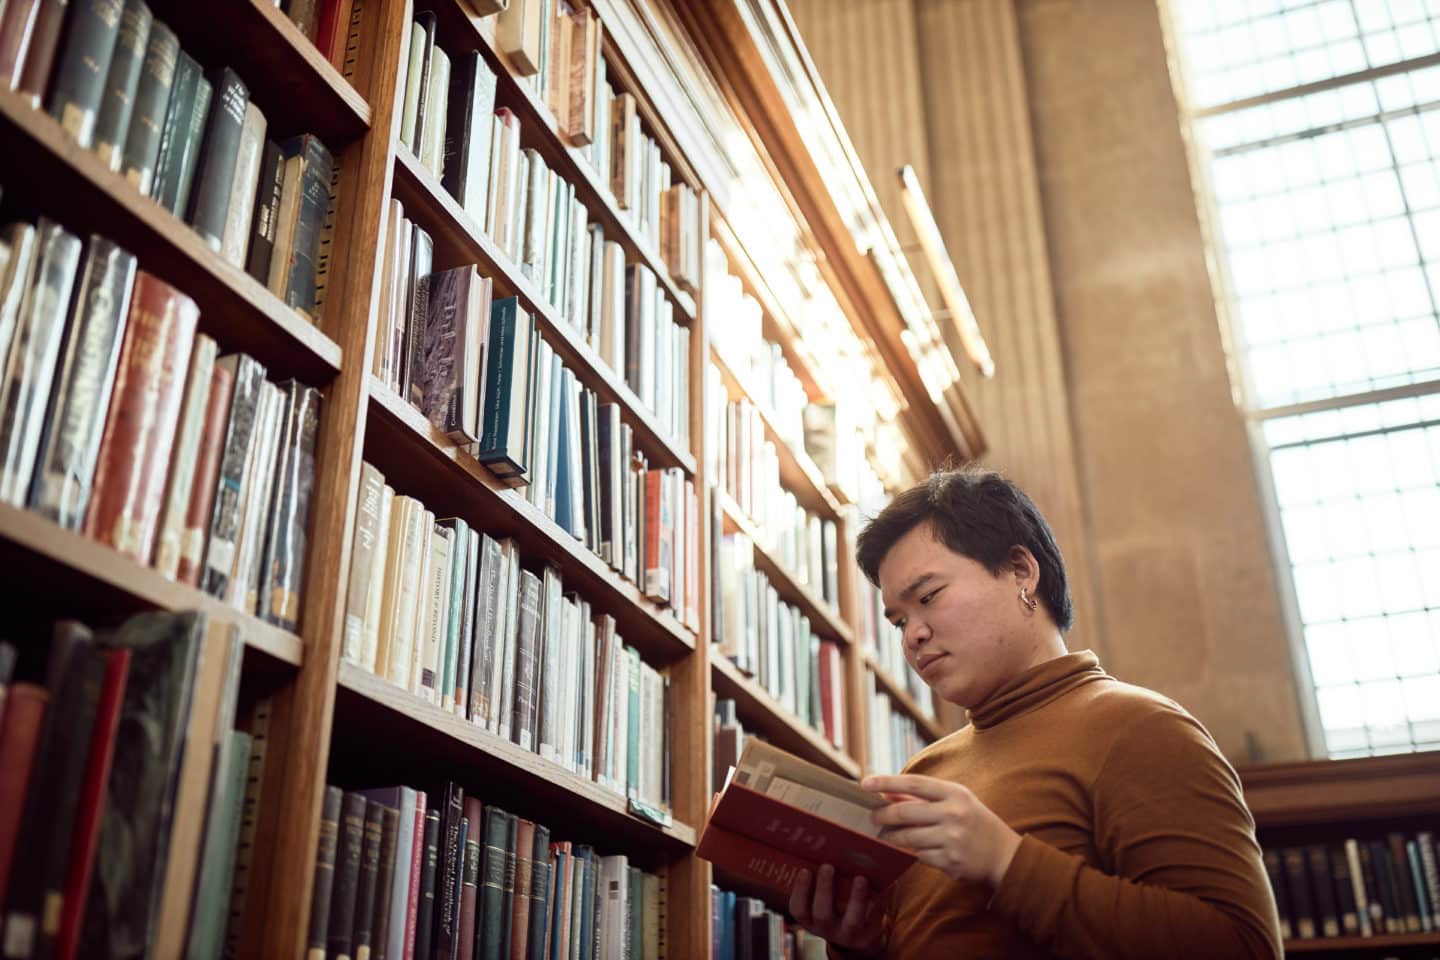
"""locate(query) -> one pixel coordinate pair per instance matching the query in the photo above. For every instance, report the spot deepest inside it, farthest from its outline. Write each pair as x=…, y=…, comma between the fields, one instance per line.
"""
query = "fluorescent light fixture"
x=956, y=303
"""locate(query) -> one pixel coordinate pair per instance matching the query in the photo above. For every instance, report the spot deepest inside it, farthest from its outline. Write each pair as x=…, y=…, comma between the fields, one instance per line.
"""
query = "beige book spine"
x=374, y=601
x=182, y=461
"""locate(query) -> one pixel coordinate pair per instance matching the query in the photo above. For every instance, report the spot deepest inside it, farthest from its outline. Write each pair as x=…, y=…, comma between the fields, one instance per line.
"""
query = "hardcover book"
x=778, y=814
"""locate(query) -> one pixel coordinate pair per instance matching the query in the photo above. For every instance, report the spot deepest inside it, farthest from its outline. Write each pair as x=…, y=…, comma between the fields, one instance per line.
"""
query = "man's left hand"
x=946, y=825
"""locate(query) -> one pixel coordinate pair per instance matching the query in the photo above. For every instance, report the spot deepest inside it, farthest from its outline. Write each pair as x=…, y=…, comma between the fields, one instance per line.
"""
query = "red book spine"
x=654, y=577
x=474, y=842
x=16, y=26
x=140, y=426
x=325, y=33
x=24, y=714
x=40, y=57
x=207, y=473
x=412, y=910
x=92, y=804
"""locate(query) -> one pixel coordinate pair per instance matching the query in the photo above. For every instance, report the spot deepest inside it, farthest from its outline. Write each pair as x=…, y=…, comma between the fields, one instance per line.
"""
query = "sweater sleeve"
x=1184, y=876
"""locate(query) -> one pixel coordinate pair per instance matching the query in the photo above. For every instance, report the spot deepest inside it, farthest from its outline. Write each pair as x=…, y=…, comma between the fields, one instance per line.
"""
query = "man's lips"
x=927, y=661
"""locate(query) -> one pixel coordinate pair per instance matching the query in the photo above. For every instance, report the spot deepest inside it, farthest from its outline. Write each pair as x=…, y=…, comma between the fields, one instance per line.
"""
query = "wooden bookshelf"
x=385, y=713
x=331, y=721
x=459, y=240
x=421, y=461
x=929, y=726
x=760, y=713
x=798, y=472
x=70, y=184
x=823, y=616
x=1340, y=791
x=85, y=578
x=1392, y=941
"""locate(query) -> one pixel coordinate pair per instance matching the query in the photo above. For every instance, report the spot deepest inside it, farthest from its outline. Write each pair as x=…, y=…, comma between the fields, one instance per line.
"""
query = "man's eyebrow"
x=915, y=584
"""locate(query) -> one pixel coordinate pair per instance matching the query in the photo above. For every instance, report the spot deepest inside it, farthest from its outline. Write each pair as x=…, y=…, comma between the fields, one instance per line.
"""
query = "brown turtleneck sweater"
x=1135, y=841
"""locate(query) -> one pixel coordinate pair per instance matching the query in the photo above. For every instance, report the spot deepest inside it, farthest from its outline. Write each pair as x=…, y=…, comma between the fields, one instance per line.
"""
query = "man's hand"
x=859, y=928
x=946, y=826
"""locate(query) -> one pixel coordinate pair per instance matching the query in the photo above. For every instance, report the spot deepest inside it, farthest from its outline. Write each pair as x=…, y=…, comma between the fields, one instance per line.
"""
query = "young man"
x=1076, y=816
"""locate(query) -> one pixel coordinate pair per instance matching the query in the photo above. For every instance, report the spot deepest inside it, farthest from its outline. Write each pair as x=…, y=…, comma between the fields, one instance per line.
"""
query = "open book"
x=778, y=814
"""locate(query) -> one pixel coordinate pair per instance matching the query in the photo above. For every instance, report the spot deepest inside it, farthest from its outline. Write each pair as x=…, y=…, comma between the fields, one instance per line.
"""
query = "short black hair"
x=978, y=513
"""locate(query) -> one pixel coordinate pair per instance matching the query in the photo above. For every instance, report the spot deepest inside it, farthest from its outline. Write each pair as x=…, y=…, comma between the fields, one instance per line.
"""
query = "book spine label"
x=82, y=392
x=215, y=171
x=78, y=84
x=267, y=212
x=117, y=105
x=147, y=115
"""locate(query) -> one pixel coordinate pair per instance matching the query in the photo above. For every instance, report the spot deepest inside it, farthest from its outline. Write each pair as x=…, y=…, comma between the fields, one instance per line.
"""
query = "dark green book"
x=122, y=910
x=385, y=880
x=507, y=899
x=538, y=944
x=314, y=203
x=145, y=132
x=429, y=865
x=78, y=84
x=122, y=83
x=505, y=418
x=173, y=130
x=349, y=846
x=326, y=851
x=215, y=166
x=222, y=838
x=491, y=916
x=194, y=136
x=363, y=925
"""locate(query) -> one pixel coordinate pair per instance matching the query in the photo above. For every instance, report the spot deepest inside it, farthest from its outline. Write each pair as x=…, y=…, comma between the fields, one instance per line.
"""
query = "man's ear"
x=1024, y=567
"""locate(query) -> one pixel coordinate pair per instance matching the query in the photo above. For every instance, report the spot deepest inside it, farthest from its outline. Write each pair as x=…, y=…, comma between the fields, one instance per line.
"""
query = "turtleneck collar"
x=1036, y=687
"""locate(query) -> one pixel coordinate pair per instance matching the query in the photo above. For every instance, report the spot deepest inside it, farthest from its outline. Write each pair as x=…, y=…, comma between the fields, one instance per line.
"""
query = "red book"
x=778, y=814
x=24, y=715
x=207, y=473
x=412, y=910
x=92, y=803
x=17, y=24
x=524, y=870
x=40, y=56
x=131, y=470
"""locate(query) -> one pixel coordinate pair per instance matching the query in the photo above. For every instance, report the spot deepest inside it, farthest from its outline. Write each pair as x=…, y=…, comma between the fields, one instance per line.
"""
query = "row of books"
x=894, y=735
x=400, y=873
x=556, y=47
x=880, y=638
x=447, y=612
x=633, y=330
x=744, y=928
x=124, y=782
x=747, y=466
x=122, y=422
x=774, y=642
x=328, y=24
x=535, y=218
x=1372, y=887
x=191, y=139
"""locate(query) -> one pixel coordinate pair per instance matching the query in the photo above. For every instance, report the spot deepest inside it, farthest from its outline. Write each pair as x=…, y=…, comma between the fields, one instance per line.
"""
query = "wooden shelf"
x=821, y=615
x=420, y=461
x=435, y=744
x=79, y=577
x=1334, y=791
x=293, y=84
x=1383, y=942
x=798, y=472
x=538, y=130
x=761, y=714
x=459, y=240
x=71, y=185
x=929, y=726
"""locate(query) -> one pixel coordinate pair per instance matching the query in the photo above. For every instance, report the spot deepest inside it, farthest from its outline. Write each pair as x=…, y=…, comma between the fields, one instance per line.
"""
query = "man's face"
x=957, y=621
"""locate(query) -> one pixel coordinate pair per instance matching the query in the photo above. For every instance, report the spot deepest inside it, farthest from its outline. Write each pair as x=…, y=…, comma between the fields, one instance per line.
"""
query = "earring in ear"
x=1025, y=598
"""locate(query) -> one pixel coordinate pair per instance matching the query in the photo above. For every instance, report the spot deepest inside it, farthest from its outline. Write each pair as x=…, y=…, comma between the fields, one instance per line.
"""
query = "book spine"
x=25, y=710
x=190, y=144
x=325, y=245
x=447, y=892
x=314, y=204
x=275, y=408
x=215, y=172
x=196, y=522
x=143, y=136
x=207, y=929
x=362, y=560
x=33, y=351
x=91, y=353
x=17, y=27
x=140, y=427
x=176, y=113
x=40, y=54
x=185, y=461
x=325, y=853
x=425, y=911
x=240, y=207
x=347, y=877
x=224, y=520
x=523, y=846
x=122, y=83
x=259, y=729
x=78, y=84
x=267, y=212
x=541, y=878
x=385, y=880
x=283, y=569
x=467, y=928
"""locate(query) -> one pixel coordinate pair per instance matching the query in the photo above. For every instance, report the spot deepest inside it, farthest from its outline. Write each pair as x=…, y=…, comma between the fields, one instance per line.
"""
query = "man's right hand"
x=859, y=928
